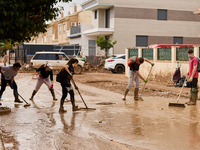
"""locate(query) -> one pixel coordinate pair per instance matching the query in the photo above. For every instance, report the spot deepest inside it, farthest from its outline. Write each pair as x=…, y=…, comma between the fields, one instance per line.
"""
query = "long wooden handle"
x=145, y=82
x=79, y=93
x=181, y=91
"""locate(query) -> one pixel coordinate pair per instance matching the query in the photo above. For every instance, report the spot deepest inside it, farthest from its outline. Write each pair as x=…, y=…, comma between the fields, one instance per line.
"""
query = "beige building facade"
x=58, y=30
x=141, y=23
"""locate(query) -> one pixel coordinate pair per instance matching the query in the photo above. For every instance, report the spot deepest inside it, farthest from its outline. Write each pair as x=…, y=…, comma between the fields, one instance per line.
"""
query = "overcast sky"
x=69, y=6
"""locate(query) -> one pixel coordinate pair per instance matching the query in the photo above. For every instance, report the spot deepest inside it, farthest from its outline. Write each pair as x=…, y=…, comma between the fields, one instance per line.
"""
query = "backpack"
x=198, y=67
x=132, y=60
x=61, y=75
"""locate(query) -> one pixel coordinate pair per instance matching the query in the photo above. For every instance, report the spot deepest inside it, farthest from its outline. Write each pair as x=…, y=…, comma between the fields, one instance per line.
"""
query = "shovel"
x=82, y=97
x=178, y=104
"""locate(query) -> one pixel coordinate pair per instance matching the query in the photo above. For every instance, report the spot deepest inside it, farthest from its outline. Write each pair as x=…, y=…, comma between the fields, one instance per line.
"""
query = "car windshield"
x=119, y=57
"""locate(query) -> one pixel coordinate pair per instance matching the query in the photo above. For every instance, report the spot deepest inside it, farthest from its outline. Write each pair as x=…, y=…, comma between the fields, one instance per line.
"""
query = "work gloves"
x=41, y=76
x=2, y=76
x=51, y=86
x=152, y=64
x=145, y=80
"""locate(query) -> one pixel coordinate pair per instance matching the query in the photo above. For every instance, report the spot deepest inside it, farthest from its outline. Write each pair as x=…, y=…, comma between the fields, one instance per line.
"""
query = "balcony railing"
x=75, y=30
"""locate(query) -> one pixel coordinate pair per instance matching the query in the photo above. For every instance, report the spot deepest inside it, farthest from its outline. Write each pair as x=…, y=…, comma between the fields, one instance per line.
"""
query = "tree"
x=22, y=19
x=105, y=44
x=4, y=47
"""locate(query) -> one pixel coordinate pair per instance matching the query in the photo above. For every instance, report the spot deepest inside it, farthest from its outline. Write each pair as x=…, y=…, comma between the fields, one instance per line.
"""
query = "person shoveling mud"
x=64, y=77
x=7, y=76
x=134, y=74
x=44, y=72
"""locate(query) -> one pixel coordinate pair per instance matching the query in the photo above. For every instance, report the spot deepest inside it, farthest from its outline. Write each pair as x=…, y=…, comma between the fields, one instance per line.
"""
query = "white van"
x=57, y=60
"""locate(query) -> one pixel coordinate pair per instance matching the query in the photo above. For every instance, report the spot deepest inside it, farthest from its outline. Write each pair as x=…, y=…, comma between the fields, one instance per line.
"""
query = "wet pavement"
x=121, y=125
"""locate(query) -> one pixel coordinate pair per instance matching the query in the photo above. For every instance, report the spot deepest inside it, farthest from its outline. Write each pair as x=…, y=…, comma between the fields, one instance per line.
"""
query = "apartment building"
x=141, y=23
x=57, y=30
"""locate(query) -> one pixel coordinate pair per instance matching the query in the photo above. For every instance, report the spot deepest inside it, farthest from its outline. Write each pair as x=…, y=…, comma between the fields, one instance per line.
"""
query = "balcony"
x=98, y=31
x=74, y=32
x=94, y=5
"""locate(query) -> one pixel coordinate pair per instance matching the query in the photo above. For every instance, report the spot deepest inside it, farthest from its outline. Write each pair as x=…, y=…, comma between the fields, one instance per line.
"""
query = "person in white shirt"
x=7, y=76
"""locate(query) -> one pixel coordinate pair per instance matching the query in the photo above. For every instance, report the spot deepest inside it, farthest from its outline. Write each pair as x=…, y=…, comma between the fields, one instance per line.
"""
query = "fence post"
x=173, y=56
x=155, y=54
x=196, y=51
x=126, y=62
x=139, y=51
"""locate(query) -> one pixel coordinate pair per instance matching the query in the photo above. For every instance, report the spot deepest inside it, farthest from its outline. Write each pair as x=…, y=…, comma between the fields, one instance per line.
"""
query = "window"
x=62, y=57
x=107, y=25
x=141, y=40
x=63, y=27
x=40, y=57
x=51, y=57
x=162, y=14
x=95, y=14
x=178, y=40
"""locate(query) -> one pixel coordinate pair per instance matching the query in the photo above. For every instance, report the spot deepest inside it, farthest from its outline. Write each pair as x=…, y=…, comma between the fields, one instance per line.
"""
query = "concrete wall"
x=85, y=17
x=127, y=29
x=95, y=22
x=162, y=4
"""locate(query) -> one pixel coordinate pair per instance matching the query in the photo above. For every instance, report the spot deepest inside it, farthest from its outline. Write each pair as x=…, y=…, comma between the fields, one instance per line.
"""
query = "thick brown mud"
x=124, y=125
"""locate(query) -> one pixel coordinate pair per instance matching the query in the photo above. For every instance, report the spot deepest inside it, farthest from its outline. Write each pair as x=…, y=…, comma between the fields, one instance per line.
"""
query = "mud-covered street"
x=114, y=125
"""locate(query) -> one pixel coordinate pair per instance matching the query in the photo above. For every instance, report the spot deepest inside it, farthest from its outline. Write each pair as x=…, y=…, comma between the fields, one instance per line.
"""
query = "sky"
x=69, y=6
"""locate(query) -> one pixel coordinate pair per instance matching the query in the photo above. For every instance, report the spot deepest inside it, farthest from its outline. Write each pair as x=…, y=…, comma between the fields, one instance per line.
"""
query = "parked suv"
x=116, y=63
x=57, y=60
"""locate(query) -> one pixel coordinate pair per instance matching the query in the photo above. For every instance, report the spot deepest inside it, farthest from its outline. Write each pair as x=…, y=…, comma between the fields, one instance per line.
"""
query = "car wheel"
x=77, y=70
x=119, y=69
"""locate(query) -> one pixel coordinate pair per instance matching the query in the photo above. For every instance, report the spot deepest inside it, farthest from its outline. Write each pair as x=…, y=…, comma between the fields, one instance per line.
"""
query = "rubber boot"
x=61, y=110
x=17, y=100
x=136, y=97
x=53, y=94
x=75, y=107
x=125, y=93
x=190, y=97
x=194, y=96
x=34, y=92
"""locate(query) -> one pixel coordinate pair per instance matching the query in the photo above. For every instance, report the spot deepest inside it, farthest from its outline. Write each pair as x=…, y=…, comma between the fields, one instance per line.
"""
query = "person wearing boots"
x=7, y=76
x=134, y=74
x=44, y=72
x=193, y=77
x=68, y=72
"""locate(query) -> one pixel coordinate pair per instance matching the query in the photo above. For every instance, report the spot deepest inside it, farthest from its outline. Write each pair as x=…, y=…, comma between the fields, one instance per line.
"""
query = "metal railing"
x=75, y=30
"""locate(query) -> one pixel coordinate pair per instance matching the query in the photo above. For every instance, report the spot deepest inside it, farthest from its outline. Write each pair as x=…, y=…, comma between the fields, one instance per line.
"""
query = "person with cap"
x=44, y=72
x=7, y=76
x=192, y=76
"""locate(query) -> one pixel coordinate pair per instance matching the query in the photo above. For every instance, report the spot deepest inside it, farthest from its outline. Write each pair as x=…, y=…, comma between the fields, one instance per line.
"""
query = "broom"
x=178, y=104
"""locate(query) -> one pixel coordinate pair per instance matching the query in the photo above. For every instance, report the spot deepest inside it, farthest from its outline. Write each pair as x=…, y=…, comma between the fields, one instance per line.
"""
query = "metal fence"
x=133, y=52
x=181, y=54
x=147, y=53
x=164, y=54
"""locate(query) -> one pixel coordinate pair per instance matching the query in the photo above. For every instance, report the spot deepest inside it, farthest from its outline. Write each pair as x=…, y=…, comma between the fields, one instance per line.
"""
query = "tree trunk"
x=106, y=53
